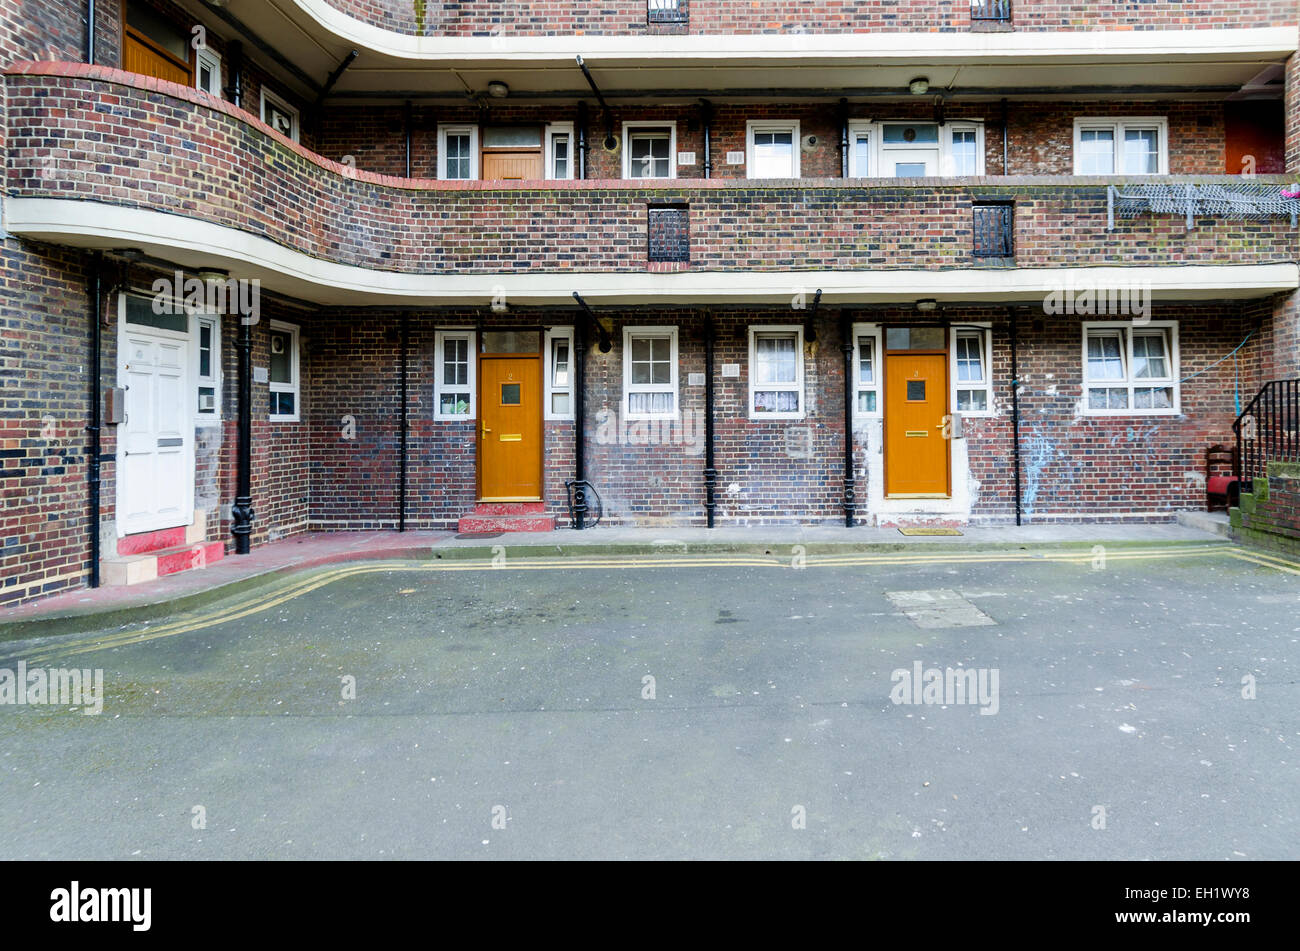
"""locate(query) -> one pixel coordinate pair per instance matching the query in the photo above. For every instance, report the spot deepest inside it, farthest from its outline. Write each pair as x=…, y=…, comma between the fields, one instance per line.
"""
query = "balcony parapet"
x=117, y=139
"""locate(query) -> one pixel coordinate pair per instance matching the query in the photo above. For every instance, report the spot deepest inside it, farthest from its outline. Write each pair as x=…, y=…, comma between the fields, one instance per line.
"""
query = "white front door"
x=155, y=455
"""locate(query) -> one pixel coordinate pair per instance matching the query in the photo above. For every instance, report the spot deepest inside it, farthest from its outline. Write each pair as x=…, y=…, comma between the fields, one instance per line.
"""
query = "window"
x=559, y=150
x=207, y=71
x=649, y=150
x=207, y=362
x=861, y=150
x=453, y=391
x=971, y=371
x=868, y=371
x=457, y=151
x=773, y=149
x=559, y=373
x=284, y=372
x=776, y=372
x=1121, y=146
x=650, y=372
x=665, y=11
x=1130, y=370
x=965, y=149
x=279, y=115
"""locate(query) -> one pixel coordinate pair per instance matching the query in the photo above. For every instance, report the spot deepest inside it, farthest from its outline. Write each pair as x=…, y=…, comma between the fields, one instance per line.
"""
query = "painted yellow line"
x=299, y=588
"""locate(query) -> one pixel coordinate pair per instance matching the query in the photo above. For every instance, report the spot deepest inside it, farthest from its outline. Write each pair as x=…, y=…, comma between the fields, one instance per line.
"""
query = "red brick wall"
x=289, y=195
x=1293, y=115
x=720, y=16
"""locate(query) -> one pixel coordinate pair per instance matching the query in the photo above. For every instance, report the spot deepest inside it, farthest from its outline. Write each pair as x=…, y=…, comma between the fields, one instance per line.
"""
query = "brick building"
x=647, y=262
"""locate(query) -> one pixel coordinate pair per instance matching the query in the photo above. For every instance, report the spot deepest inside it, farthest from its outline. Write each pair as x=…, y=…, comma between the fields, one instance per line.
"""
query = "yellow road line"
x=305, y=586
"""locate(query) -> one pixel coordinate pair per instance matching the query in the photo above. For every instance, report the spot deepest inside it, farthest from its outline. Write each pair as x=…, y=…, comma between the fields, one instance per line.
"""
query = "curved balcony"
x=102, y=158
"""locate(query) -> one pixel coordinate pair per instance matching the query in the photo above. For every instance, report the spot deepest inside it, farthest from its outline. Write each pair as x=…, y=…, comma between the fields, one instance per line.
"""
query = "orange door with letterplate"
x=916, y=438
x=510, y=429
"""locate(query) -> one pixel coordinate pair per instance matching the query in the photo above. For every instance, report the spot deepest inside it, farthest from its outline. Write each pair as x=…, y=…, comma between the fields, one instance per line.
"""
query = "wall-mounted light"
x=919, y=86
x=498, y=89
x=212, y=275
x=927, y=305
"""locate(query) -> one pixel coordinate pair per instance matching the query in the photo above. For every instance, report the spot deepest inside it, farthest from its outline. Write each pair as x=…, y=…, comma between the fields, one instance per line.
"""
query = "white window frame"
x=877, y=334
x=457, y=128
x=947, y=159
x=279, y=103
x=1117, y=125
x=629, y=387
x=857, y=127
x=295, y=363
x=1127, y=329
x=549, y=388
x=213, y=379
x=212, y=59
x=757, y=330
x=985, y=331
x=772, y=125
x=629, y=128
x=554, y=129
x=471, y=375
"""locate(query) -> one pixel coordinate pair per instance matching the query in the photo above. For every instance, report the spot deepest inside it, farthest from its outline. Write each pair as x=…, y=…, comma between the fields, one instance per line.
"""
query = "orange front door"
x=141, y=55
x=512, y=165
x=510, y=428
x=916, y=444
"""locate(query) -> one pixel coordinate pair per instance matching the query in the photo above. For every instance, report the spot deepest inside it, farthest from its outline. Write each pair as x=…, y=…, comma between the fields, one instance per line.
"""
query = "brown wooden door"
x=916, y=404
x=510, y=428
x=140, y=55
x=521, y=165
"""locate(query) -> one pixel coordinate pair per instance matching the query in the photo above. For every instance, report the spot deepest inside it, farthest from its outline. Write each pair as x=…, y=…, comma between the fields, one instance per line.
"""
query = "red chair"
x=1221, y=490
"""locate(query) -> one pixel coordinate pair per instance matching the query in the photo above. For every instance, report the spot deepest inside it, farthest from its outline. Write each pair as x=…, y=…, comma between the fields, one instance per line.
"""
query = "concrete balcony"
x=106, y=159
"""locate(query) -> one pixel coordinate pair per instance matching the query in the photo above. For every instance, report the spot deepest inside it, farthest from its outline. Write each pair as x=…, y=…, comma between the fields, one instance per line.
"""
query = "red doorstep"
x=507, y=517
x=190, y=557
x=146, y=542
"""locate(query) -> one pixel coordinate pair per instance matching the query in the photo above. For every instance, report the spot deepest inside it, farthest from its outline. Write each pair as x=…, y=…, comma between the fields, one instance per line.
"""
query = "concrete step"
x=143, y=543
x=510, y=508
x=137, y=568
x=1216, y=522
x=507, y=517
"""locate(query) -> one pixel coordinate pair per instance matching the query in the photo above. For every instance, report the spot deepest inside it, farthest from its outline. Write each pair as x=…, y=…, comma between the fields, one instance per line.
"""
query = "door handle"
x=485, y=432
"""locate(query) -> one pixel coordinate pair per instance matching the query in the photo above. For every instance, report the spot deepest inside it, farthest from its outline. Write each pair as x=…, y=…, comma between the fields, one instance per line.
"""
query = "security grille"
x=994, y=233
x=990, y=10
x=669, y=233
x=666, y=11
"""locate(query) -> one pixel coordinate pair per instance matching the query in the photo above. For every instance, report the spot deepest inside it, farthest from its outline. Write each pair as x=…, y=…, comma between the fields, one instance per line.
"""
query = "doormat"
x=928, y=531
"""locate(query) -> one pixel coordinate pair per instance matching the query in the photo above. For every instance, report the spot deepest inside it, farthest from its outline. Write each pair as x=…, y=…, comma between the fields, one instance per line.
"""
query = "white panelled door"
x=155, y=456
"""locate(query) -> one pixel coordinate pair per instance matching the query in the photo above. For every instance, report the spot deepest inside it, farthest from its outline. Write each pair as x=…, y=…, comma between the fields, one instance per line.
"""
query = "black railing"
x=983, y=11
x=993, y=230
x=1268, y=430
x=666, y=11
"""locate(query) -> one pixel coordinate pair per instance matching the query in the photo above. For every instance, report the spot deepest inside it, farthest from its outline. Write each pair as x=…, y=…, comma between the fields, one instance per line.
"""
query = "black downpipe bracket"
x=706, y=124
x=710, y=471
x=94, y=280
x=850, y=480
x=579, y=425
x=1015, y=411
x=90, y=32
x=241, y=513
x=404, y=422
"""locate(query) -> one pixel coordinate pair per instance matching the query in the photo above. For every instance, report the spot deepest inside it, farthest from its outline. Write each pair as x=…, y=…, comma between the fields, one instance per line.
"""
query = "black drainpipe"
x=844, y=138
x=94, y=281
x=401, y=488
x=408, y=120
x=235, y=53
x=850, y=481
x=710, y=472
x=1005, y=170
x=1015, y=410
x=706, y=121
x=90, y=38
x=241, y=513
x=582, y=140
x=579, y=424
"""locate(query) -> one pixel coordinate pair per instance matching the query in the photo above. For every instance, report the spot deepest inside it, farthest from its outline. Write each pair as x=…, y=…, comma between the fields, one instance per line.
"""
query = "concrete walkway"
x=302, y=552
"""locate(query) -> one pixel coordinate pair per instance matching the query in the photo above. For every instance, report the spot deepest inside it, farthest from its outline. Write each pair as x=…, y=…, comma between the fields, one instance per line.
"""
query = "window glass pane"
x=511, y=341
x=867, y=401
x=775, y=359
x=510, y=394
x=560, y=404
x=1161, y=397
x=972, y=401
x=914, y=338
x=649, y=155
x=915, y=391
x=1097, y=147
x=453, y=404
x=909, y=170
x=458, y=155
x=1108, y=398
x=560, y=154
x=1149, y=360
x=776, y=401
x=282, y=404
x=904, y=134
x=139, y=310
x=862, y=155
x=866, y=360
x=205, y=350
x=281, y=357
x=773, y=155
x=970, y=358
x=650, y=403
x=512, y=136
x=1105, y=357
x=559, y=363
x=278, y=119
x=455, y=361
x=154, y=25
x=963, y=152
x=1141, y=151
